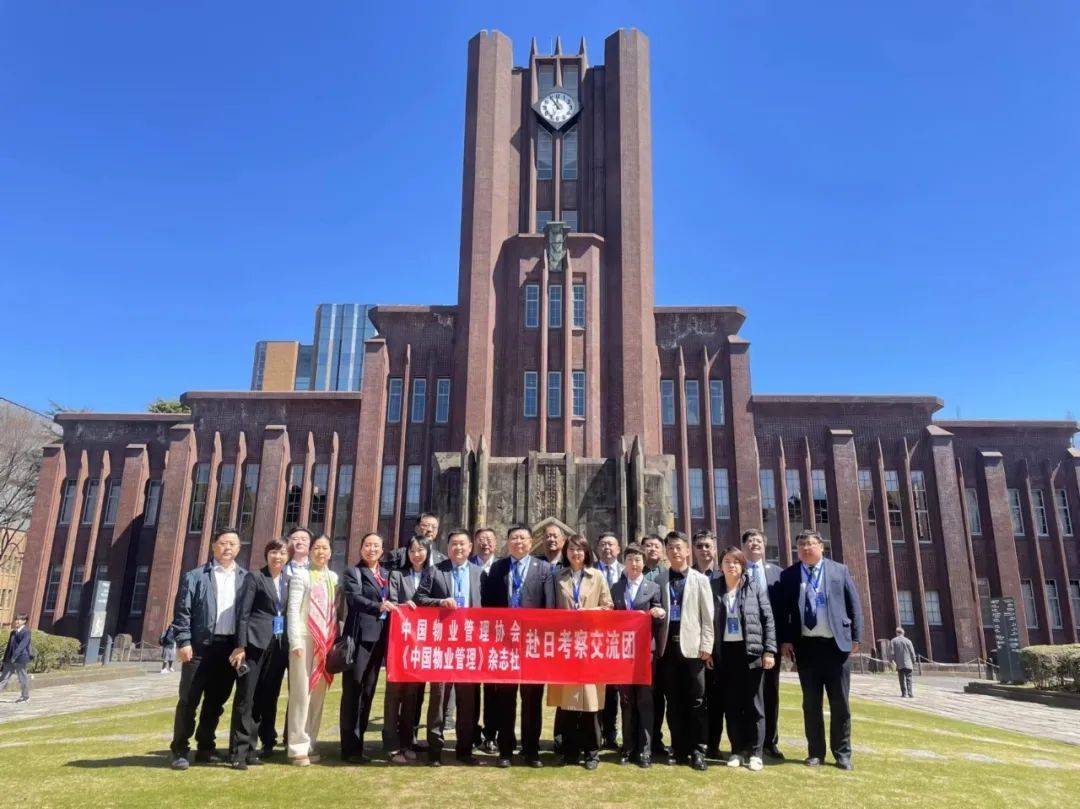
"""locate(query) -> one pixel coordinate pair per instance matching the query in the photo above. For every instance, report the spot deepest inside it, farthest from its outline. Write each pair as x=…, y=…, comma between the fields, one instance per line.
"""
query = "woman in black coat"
x=744, y=646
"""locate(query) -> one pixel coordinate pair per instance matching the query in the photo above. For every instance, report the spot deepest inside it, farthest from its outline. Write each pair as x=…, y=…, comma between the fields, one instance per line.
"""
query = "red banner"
x=484, y=645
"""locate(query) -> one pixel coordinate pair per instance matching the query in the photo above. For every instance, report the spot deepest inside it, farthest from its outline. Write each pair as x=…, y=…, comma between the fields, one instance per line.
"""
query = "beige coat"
x=595, y=595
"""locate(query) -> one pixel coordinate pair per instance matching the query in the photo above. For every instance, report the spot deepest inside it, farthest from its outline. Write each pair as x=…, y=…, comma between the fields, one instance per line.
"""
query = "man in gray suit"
x=903, y=655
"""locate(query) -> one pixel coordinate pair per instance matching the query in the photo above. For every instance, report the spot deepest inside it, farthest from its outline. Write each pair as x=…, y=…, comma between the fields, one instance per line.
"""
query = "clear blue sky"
x=892, y=191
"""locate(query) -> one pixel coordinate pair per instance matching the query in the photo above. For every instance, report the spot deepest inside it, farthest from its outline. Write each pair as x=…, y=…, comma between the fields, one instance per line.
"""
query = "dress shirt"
x=732, y=612
x=632, y=587
x=821, y=630
x=609, y=573
x=459, y=575
x=225, y=584
x=757, y=573
x=525, y=561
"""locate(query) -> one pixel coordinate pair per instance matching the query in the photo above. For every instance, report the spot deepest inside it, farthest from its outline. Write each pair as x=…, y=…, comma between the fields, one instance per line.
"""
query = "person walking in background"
x=903, y=655
x=17, y=657
x=168, y=651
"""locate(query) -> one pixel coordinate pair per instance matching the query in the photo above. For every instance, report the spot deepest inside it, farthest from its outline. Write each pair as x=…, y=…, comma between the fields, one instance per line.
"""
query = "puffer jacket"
x=755, y=618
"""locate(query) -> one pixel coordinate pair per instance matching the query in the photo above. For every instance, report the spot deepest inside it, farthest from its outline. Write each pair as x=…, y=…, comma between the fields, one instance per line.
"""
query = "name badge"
x=821, y=599
x=459, y=600
x=732, y=625
x=676, y=611
x=279, y=624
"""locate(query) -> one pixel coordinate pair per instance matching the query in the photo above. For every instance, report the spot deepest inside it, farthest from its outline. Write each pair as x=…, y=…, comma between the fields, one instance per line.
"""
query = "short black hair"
x=633, y=549
x=704, y=533
x=453, y=532
x=424, y=515
x=22, y=616
x=647, y=537
x=301, y=529
x=752, y=532
x=808, y=533
x=607, y=534
x=517, y=527
x=274, y=545
x=676, y=536
x=481, y=530
x=229, y=530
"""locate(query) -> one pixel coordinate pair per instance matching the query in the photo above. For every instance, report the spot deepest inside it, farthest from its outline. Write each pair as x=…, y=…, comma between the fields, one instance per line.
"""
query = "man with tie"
x=204, y=625
x=452, y=584
x=704, y=546
x=767, y=577
x=820, y=623
x=551, y=546
x=519, y=581
x=485, y=544
x=607, y=562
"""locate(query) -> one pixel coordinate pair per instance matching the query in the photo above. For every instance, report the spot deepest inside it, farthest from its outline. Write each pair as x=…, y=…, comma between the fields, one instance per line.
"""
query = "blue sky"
x=890, y=190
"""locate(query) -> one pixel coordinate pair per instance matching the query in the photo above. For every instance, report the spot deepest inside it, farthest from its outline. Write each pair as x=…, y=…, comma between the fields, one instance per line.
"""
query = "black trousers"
x=465, y=695
x=357, y=694
x=714, y=710
x=683, y=681
x=738, y=689
x=399, y=709
x=823, y=668
x=636, y=702
x=486, y=729
x=609, y=717
x=770, y=692
x=581, y=735
x=532, y=697
x=207, y=679
x=658, y=711
x=257, y=695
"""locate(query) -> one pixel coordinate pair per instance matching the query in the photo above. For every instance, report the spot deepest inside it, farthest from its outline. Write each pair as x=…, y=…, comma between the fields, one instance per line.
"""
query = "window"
x=248, y=496
x=543, y=154
x=198, y=497
x=153, y=501
x=907, y=607
x=545, y=79
x=984, y=603
x=1054, y=602
x=673, y=482
x=693, y=401
x=387, y=491
x=294, y=494
x=571, y=220
x=933, y=608
x=532, y=306
x=112, y=503
x=75, y=588
x=579, y=307
x=412, y=490
x=542, y=218
x=579, y=394
x=1016, y=513
x=1074, y=599
x=52, y=590
x=1038, y=501
x=343, y=502
x=393, y=401
x=892, y=497
x=821, y=497
x=922, y=510
x=667, y=401
x=555, y=306
x=554, y=392
x=419, y=401
x=866, y=499
x=793, y=482
x=442, y=401
x=530, y=394
x=569, y=155
x=67, y=502
x=971, y=499
x=716, y=402
x=90, y=502
x=721, y=494
x=138, y=590
x=697, y=494
x=320, y=484
x=570, y=79
x=767, y=483
x=1030, y=614
x=223, y=501
x=1061, y=500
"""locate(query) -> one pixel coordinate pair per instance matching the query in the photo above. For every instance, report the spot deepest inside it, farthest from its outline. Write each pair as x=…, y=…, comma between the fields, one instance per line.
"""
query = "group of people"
x=721, y=620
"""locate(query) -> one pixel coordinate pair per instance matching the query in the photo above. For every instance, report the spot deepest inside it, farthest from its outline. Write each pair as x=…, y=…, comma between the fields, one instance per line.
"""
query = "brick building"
x=555, y=389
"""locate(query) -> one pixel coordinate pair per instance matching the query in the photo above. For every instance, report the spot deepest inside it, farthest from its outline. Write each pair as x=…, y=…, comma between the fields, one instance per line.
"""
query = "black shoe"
x=644, y=762
x=624, y=760
x=239, y=764
x=713, y=753
x=697, y=762
x=610, y=743
x=503, y=763
x=591, y=764
x=356, y=758
x=266, y=752
x=179, y=763
x=253, y=760
x=434, y=760
x=535, y=763
x=208, y=757
x=812, y=761
x=490, y=746
x=773, y=752
x=468, y=761
x=845, y=764
x=661, y=751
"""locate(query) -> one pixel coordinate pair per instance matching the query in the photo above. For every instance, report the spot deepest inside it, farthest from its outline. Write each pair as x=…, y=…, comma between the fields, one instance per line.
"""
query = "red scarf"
x=322, y=626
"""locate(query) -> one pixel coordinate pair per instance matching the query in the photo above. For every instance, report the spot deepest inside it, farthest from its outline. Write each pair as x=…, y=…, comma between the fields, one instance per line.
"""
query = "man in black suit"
x=820, y=624
x=427, y=530
x=485, y=544
x=704, y=548
x=260, y=632
x=767, y=577
x=204, y=625
x=519, y=580
x=453, y=583
x=17, y=657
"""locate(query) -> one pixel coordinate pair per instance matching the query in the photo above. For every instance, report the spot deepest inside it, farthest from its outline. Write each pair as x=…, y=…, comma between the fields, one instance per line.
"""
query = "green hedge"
x=51, y=651
x=1053, y=667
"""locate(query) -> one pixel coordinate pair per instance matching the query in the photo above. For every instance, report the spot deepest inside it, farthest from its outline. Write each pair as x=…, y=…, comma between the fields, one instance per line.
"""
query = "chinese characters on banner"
x=483, y=645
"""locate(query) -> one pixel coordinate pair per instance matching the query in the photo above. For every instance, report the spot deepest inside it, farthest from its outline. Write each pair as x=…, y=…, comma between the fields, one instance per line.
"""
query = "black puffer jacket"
x=755, y=618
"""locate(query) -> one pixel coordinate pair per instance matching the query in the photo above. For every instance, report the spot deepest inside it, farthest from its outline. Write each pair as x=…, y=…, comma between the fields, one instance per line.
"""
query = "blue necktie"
x=810, y=606
x=459, y=585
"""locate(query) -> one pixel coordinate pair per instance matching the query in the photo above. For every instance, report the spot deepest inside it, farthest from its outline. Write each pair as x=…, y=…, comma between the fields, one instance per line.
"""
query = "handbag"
x=342, y=655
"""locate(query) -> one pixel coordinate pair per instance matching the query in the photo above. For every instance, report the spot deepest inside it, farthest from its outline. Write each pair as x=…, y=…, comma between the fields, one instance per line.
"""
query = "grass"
x=118, y=757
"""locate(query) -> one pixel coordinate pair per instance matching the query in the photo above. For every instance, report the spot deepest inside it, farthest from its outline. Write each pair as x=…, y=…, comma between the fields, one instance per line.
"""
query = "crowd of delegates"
x=721, y=620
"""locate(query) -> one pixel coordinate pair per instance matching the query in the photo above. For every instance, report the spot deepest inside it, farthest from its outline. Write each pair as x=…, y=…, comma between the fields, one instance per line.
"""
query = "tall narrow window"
x=393, y=401
x=1061, y=500
x=693, y=401
x=985, y=613
x=343, y=502
x=529, y=388
x=569, y=155
x=543, y=154
x=112, y=503
x=554, y=394
x=138, y=590
x=922, y=508
x=555, y=306
x=320, y=484
x=294, y=494
x=721, y=494
x=442, y=401
x=248, y=496
x=570, y=79
x=545, y=78
x=1074, y=599
x=1054, y=602
x=907, y=607
x=697, y=494
x=532, y=306
x=667, y=401
x=716, y=402
x=579, y=394
x=1030, y=614
x=793, y=482
x=388, y=490
x=543, y=216
x=412, y=490
x=971, y=499
x=892, y=497
x=198, y=497
x=1016, y=513
x=579, y=307
x=1038, y=500
x=67, y=502
x=767, y=483
x=153, y=501
x=673, y=482
x=821, y=500
x=933, y=608
x=223, y=499
x=90, y=502
x=75, y=588
x=52, y=590
x=570, y=219
x=866, y=498
x=419, y=401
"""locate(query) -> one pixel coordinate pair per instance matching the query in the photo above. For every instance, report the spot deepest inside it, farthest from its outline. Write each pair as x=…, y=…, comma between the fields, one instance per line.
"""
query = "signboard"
x=1007, y=639
x=97, y=620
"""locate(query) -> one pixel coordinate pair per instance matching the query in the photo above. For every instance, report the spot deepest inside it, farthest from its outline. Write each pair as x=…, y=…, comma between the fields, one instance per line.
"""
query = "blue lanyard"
x=577, y=588
x=813, y=580
x=517, y=578
x=459, y=585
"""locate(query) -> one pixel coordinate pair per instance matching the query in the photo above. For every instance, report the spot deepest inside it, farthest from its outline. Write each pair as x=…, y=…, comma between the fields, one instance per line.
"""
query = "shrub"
x=51, y=651
x=1053, y=667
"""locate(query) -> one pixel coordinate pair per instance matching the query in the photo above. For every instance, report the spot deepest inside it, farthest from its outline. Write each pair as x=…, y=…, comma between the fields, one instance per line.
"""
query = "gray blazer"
x=903, y=652
x=615, y=566
x=438, y=583
x=696, y=633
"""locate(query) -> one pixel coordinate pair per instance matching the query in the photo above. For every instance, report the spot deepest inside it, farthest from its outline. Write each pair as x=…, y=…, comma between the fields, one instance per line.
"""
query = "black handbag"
x=342, y=655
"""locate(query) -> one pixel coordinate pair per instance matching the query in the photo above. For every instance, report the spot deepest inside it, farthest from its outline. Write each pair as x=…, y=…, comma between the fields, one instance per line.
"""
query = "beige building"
x=10, y=569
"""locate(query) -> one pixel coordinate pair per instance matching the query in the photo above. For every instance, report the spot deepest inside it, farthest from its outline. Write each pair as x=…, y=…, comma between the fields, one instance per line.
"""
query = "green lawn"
x=118, y=757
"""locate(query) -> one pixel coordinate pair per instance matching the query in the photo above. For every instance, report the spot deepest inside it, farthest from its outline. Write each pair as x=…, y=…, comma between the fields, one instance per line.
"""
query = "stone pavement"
x=61, y=699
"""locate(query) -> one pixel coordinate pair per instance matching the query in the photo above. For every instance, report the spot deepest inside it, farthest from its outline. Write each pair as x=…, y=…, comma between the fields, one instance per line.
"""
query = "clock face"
x=558, y=107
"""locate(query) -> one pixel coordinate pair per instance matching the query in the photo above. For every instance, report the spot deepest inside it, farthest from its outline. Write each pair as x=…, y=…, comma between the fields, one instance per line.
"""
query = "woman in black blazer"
x=365, y=589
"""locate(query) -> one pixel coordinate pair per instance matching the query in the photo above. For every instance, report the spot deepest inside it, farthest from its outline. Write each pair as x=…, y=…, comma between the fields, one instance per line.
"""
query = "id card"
x=676, y=611
x=821, y=599
x=279, y=624
x=459, y=600
x=733, y=625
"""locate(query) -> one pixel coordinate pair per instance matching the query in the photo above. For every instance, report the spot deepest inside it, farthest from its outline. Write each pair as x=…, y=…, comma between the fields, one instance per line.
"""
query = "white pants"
x=305, y=708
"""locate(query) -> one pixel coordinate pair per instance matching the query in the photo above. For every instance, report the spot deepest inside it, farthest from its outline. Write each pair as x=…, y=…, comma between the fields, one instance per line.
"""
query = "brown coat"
x=595, y=595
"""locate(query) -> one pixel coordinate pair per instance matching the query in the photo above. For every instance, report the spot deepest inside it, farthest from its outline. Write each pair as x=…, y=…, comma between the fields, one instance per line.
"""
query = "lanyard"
x=517, y=579
x=576, y=585
x=813, y=580
x=459, y=586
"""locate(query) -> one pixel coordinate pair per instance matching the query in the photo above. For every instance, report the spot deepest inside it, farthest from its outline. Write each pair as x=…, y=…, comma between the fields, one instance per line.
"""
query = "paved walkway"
x=61, y=699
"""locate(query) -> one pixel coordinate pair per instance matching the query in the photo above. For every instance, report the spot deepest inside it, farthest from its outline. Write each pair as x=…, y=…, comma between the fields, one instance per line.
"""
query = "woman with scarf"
x=312, y=629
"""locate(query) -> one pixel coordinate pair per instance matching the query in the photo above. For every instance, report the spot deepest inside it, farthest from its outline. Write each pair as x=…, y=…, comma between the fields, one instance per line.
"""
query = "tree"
x=160, y=405
x=22, y=435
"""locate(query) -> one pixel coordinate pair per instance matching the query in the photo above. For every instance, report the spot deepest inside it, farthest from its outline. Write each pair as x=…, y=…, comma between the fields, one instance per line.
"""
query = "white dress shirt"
x=732, y=612
x=524, y=562
x=632, y=587
x=821, y=630
x=225, y=583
